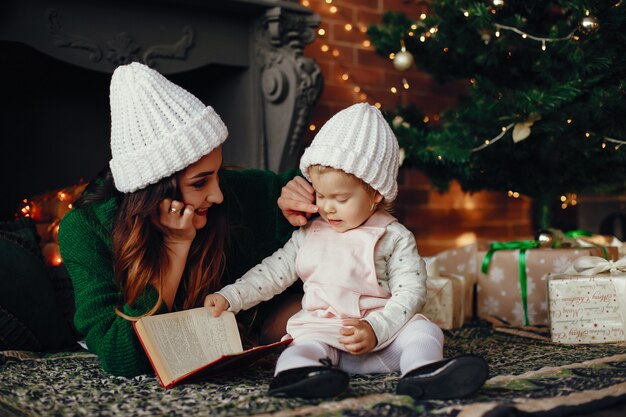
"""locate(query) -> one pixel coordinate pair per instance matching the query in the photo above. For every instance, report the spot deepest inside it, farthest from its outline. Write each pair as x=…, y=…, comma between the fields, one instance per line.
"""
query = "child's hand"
x=217, y=302
x=359, y=338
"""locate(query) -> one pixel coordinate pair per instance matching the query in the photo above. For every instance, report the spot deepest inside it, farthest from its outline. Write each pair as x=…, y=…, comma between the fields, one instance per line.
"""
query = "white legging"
x=419, y=343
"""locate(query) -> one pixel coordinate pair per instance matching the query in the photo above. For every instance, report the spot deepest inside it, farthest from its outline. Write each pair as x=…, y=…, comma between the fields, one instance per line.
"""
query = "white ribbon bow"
x=592, y=265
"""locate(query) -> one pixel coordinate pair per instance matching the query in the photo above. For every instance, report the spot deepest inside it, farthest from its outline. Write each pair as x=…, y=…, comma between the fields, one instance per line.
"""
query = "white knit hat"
x=357, y=140
x=157, y=127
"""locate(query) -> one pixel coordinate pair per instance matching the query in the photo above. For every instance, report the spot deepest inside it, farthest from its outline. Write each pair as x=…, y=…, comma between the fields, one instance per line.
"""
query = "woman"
x=166, y=225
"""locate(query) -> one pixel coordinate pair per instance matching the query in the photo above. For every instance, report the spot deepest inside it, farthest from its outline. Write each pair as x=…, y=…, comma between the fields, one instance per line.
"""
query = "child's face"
x=343, y=201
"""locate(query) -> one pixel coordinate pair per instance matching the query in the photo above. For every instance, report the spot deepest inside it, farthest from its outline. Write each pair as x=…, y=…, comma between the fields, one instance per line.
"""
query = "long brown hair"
x=139, y=257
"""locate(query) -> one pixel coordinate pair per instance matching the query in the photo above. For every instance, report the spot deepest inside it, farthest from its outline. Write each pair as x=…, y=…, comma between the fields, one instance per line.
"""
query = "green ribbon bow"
x=522, y=245
x=577, y=233
x=574, y=234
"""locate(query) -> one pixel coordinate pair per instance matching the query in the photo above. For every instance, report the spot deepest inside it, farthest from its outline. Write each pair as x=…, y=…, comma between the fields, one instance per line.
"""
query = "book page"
x=187, y=340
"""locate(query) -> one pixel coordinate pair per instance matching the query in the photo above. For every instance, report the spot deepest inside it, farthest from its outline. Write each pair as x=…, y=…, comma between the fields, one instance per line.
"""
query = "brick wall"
x=353, y=72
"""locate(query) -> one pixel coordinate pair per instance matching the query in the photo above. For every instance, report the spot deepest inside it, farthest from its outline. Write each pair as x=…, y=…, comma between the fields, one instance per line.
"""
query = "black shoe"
x=309, y=382
x=450, y=378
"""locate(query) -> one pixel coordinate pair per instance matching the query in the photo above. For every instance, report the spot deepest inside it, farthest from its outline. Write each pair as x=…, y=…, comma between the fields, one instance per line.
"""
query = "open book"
x=188, y=345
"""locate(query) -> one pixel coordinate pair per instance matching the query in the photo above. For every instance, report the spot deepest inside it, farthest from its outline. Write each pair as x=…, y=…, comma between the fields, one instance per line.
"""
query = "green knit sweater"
x=257, y=229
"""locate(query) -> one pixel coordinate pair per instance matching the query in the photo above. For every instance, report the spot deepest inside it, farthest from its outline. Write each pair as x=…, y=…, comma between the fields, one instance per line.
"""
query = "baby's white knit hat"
x=359, y=141
x=157, y=127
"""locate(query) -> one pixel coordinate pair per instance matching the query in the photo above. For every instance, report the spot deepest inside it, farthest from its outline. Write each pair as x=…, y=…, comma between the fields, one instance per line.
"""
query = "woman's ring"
x=174, y=210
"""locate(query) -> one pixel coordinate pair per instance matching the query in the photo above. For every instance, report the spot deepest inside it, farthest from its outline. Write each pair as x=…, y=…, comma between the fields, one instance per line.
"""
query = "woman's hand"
x=359, y=337
x=296, y=201
x=176, y=222
x=217, y=302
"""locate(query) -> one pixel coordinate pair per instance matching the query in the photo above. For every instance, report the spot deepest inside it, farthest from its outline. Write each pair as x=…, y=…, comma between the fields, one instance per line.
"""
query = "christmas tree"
x=545, y=110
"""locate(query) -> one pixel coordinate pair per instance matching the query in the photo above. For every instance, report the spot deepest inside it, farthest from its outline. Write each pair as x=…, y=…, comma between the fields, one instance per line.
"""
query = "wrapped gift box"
x=499, y=291
x=439, y=302
x=587, y=309
x=445, y=298
x=459, y=262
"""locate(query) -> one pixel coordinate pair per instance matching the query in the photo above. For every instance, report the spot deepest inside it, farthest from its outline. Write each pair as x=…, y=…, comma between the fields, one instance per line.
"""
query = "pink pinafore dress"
x=339, y=279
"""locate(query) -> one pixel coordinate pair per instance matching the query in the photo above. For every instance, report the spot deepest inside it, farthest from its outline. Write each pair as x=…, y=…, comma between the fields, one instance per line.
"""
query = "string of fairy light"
x=587, y=25
x=346, y=75
x=403, y=60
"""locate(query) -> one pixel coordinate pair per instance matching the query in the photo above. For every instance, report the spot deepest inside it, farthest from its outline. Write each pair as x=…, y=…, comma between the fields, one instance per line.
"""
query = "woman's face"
x=199, y=185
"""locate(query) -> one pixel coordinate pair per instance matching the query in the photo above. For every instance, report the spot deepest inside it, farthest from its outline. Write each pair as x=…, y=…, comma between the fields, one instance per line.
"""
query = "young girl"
x=364, y=281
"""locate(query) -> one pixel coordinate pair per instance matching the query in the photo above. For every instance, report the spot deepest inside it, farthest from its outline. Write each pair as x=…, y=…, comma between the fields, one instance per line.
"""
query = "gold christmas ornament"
x=589, y=24
x=545, y=238
x=403, y=60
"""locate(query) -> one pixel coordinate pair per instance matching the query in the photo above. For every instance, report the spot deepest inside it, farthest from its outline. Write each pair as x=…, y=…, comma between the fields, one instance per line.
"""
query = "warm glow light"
x=363, y=28
x=329, y=1
x=439, y=157
x=515, y=194
x=446, y=49
x=414, y=26
x=411, y=33
x=603, y=145
x=436, y=117
x=423, y=16
x=543, y=45
x=393, y=90
x=425, y=119
x=357, y=89
x=510, y=193
x=563, y=206
x=377, y=105
x=392, y=55
x=333, y=9
x=363, y=96
x=305, y=3
x=422, y=38
x=321, y=32
x=524, y=36
x=563, y=198
x=466, y=13
x=587, y=135
x=487, y=142
x=324, y=48
x=335, y=52
x=367, y=43
x=497, y=33
x=569, y=121
x=465, y=239
x=345, y=77
x=312, y=127
x=348, y=27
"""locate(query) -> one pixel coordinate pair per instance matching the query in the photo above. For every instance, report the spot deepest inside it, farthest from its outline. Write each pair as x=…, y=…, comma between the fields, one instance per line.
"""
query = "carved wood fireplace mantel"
x=243, y=57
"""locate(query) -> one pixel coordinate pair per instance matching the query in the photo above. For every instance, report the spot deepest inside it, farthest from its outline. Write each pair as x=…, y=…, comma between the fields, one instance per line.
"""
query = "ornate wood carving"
x=68, y=40
x=177, y=50
x=122, y=49
x=291, y=83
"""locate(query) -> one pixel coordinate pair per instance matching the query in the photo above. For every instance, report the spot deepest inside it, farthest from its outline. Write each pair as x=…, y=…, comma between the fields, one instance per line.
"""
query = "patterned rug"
x=527, y=375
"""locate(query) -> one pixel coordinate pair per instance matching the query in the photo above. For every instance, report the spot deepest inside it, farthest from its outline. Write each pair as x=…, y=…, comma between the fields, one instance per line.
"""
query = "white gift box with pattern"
x=588, y=303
